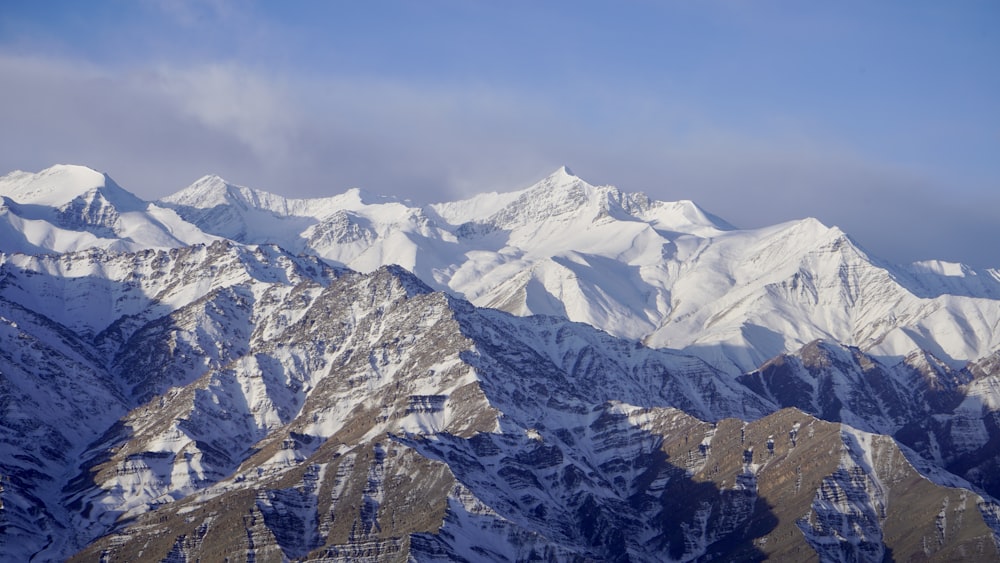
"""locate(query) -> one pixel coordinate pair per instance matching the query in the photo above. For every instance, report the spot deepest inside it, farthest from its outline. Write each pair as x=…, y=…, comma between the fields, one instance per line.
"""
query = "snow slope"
x=667, y=273
x=67, y=208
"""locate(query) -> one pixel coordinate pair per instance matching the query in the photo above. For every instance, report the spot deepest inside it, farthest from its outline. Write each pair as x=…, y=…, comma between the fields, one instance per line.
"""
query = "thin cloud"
x=61, y=111
x=226, y=98
x=157, y=130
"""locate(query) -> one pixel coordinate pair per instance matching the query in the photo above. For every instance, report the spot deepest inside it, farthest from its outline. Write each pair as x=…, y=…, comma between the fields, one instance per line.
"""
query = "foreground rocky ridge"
x=284, y=409
x=626, y=484
x=73, y=329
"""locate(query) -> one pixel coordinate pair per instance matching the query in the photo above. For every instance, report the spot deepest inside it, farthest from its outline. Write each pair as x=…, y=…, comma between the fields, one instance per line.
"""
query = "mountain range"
x=565, y=372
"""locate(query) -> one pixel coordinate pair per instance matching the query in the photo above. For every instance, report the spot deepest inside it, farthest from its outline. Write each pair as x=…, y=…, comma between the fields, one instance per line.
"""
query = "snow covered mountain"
x=71, y=327
x=669, y=274
x=666, y=273
x=67, y=208
x=230, y=373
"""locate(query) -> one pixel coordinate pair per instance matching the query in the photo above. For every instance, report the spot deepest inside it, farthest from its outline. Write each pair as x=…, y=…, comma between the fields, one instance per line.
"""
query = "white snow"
x=668, y=273
x=53, y=187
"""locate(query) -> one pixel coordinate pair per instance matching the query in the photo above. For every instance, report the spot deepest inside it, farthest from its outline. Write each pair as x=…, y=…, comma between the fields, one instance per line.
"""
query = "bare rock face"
x=90, y=336
x=283, y=411
x=322, y=420
x=623, y=483
x=947, y=416
x=349, y=417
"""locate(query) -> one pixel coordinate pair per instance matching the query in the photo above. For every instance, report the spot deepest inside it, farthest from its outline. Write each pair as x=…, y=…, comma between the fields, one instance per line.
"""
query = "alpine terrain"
x=566, y=372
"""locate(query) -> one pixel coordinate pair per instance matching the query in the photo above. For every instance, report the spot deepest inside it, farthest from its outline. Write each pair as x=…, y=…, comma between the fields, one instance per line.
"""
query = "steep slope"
x=967, y=442
x=786, y=486
x=70, y=326
x=67, y=208
x=840, y=383
x=372, y=354
x=390, y=423
x=55, y=397
x=948, y=417
x=613, y=483
x=668, y=273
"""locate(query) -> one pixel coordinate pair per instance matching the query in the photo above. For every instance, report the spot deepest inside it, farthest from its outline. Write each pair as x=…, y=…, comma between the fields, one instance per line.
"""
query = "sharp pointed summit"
x=206, y=192
x=562, y=176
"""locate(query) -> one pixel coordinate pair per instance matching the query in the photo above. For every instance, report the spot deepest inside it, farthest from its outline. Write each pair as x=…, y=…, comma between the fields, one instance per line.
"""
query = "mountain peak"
x=685, y=215
x=55, y=186
x=211, y=180
x=213, y=191
x=206, y=192
x=70, y=189
x=942, y=268
x=562, y=175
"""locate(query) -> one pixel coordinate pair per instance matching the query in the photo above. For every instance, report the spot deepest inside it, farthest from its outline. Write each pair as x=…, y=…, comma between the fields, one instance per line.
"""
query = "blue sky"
x=880, y=117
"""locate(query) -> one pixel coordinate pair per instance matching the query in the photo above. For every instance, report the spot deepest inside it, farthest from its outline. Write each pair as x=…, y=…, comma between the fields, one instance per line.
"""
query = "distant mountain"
x=228, y=373
x=68, y=208
x=669, y=274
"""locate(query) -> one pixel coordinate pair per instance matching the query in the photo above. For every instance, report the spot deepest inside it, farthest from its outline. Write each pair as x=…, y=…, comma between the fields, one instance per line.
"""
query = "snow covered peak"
x=807, y=236
x=206, y=192
x=561, y=177
x=560, y=194
x=212, y=191
x=482, y=207
x=563, y=171
x=66, y=208
x=935, y=277
x=565, y=195
x=684, y=216
x=61, y=184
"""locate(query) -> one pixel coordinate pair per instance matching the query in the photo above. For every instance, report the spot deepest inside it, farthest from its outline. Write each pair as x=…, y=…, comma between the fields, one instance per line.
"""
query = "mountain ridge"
x=351, y=415
x=691, y=390
x=617, y=261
